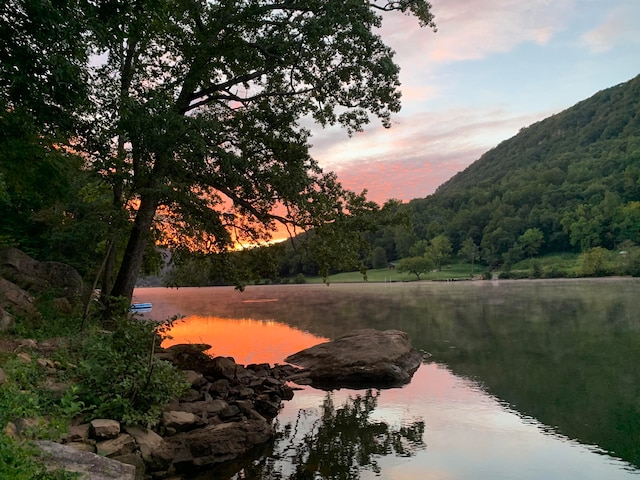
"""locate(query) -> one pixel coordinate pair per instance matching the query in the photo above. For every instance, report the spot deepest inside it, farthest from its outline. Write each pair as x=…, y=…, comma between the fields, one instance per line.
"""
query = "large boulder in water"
x=361, y=359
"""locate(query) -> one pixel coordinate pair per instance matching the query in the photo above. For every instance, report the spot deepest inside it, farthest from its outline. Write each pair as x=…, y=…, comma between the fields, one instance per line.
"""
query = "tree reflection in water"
x=345, y=440
x=337, y=444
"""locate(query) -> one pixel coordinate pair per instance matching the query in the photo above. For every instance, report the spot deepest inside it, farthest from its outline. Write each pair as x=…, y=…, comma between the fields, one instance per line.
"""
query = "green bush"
x=52, y=323
x=121, y=376
x=594, y=262
x=633, y=263
x=21, y=396
x=536, y=269
x=555, y=271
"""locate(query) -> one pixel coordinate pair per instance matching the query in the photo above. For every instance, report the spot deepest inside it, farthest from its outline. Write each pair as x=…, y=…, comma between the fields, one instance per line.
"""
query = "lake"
x=526, y=380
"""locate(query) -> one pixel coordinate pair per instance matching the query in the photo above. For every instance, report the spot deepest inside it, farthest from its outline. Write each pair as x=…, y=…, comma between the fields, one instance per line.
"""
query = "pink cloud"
x=402, y=179
x=419, y=153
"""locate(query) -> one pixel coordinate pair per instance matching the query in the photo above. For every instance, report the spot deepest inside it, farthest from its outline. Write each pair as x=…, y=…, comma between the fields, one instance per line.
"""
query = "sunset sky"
x=493, y=67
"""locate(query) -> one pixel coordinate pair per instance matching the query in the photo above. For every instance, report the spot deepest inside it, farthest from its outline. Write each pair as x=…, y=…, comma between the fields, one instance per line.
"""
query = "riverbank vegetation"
x=59, y=369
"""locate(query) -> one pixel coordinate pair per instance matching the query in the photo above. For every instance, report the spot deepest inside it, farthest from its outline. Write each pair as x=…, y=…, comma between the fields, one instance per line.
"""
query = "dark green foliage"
x=594, y=262
x=378, y=258
x=568, y=183
x=20, y=397
x=189, y=114
x=120, y=376
x=415, y=265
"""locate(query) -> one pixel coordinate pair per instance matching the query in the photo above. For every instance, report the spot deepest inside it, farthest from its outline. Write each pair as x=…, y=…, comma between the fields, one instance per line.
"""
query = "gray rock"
x=82, y=446
x=361, y=359
x=180, y=421
x=6, y=320
x=123, y=444
x=203, y=408
x=27, y=344
x=223, y=367
x=191, y=395
x=219, y=388
x=242, y=392
x=194, y=378
x=266, y=407
x=89, y=465
x=36, y=277
x=78, y=433
x=15, y=299
x=102, y=429
x=229, y=412
x=136, y=461
x=153, y=448
x=215, y=444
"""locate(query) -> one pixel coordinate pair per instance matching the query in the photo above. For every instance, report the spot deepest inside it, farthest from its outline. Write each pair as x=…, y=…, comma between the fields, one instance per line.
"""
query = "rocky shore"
x=229, y=408
x=226, y=413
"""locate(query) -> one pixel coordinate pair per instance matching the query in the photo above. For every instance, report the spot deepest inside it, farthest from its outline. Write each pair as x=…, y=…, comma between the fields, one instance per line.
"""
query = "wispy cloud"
x=619, y=27
x=472, y=30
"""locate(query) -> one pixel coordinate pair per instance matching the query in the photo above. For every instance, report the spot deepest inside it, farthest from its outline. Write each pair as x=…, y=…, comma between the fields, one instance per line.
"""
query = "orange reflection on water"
x=246, y=340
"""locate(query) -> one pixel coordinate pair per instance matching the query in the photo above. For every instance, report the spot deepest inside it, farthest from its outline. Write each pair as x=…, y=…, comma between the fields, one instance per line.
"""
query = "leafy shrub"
x=536, y=269
x=555, y=271
x=121, y=376
x=52, y=323
x=594, y=262
x=512, y=275
x=21, y=396
x=633, y=263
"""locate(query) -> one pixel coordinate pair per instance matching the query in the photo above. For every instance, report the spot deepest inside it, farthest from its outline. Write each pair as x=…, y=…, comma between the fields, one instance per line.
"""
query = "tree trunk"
x=133, y=255
x=107, y=273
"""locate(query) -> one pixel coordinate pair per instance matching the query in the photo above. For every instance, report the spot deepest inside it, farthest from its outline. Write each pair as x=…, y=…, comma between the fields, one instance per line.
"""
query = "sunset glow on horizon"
x=248, y=341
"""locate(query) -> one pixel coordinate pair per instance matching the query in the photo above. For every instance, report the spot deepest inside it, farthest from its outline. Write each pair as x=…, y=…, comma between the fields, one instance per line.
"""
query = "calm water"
x=527, y=379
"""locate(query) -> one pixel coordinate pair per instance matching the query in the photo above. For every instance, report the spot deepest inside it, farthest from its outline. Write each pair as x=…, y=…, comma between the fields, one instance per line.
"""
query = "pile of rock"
x=226, y=413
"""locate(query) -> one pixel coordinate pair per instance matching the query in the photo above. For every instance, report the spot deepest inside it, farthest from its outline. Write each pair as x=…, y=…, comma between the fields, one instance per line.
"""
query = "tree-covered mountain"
x=573, y=177
x=568, y=183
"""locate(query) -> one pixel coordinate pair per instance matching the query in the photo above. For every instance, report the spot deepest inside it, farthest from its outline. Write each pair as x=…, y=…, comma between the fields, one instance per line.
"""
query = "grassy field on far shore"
x=450, y=272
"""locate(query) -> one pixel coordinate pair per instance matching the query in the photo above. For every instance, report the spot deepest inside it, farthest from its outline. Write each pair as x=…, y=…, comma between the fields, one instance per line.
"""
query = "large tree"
x=44, y=85
x=200, y=110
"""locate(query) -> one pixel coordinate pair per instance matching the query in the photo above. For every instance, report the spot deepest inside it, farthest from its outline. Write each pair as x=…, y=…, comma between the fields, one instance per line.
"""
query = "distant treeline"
x=568, y=183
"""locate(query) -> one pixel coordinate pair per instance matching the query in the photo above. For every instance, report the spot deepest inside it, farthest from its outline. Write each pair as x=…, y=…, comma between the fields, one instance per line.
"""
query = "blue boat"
x=140, y=307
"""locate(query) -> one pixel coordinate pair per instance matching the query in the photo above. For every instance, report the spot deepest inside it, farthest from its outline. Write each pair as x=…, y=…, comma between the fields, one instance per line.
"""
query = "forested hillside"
x=568, y=183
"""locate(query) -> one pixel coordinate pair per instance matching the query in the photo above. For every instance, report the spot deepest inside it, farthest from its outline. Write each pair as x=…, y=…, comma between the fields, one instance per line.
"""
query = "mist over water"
x=527, y=379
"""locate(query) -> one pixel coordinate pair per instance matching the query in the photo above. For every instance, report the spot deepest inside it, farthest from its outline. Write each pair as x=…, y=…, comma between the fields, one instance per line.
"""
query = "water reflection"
x=336, y=442
x=345, y=440
x=526, y=369
x=246, y=340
